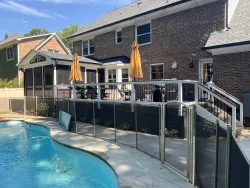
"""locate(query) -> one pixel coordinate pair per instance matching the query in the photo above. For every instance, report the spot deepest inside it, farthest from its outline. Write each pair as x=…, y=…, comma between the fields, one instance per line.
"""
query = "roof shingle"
x=239, y=28
x=126, y=12
x=66, y=57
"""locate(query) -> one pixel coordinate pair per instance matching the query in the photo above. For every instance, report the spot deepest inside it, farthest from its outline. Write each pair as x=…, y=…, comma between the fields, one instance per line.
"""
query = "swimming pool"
x=30, y=158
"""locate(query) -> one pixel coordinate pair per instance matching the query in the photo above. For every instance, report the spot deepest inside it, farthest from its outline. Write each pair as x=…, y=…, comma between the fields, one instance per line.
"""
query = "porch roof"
x=66, y=57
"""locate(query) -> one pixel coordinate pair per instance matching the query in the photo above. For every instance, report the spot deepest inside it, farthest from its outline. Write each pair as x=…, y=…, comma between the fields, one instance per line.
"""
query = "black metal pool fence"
x=219, y=161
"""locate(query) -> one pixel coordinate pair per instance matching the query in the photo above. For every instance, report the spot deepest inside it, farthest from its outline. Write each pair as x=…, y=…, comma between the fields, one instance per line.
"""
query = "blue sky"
x=20, y=16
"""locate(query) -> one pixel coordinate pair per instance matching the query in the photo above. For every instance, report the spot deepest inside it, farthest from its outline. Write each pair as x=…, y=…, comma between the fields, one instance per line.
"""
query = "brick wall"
x=174, y=38
x=26, y=45
x=53, y=44
x=232, y=73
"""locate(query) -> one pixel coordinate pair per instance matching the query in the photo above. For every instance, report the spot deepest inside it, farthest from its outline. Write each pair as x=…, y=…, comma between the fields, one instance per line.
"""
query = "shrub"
x=171, y=133
x=10, y=83
x=42, y=109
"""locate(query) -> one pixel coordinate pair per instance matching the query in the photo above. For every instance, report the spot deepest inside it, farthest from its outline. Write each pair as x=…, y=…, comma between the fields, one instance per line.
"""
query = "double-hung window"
x=125, y=76
x=88, y=47
x=118, y=36
x=143, y=34
x=157, y=72
x=10, y=53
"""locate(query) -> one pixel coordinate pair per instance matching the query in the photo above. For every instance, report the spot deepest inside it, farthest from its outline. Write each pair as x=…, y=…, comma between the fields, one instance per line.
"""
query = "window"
x=10, y=53
x=207, y=72
x=118, y=36
x=37, y=59
x=125, y=77
x=88, y=47
x=112, y=75
x=156, y=72
x=54, y=51
x=143, y=33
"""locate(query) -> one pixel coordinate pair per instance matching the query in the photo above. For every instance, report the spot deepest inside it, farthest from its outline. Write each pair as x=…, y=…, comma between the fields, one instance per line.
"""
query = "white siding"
x=232, y=4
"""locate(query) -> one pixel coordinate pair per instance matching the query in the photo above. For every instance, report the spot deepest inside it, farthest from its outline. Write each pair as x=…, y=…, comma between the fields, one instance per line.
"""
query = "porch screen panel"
x=28, y=79
x=38, y=81
x=48, y=75
x=62, y=73
x=48, y=80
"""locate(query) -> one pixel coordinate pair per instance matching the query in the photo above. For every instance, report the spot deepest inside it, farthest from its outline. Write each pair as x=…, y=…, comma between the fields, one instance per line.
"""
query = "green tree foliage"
x=66, y=32
x=10, y=83
x=36, y=31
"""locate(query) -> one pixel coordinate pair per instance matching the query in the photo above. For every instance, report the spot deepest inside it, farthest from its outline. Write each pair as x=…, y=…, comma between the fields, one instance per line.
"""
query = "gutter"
x=226, y=45
x=133, y=17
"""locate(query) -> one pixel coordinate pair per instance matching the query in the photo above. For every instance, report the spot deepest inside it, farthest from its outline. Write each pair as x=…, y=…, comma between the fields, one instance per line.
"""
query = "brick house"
x=183, y=39
x=15, y=47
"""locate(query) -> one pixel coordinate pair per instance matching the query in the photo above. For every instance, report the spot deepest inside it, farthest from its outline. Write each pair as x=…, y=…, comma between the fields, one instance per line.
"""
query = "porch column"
x=118, y=75
x=33, y=77
x=43, y=82
x=55, y=81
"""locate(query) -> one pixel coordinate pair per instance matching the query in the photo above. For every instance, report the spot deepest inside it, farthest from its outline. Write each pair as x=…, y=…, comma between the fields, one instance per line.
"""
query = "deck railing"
x=154, y=91
x=231, y=98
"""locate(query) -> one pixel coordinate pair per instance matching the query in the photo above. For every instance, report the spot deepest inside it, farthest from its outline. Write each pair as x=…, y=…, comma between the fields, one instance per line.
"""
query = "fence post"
x=180, y=97
x=99, y=96
x=115, y=121
x=5, y=103
x=196, y=94
x=228, y=157
x=234, y=119
x=241, y=115
x=75, y=115
x=136, y=127
x=48, y=106
x=24, y=105
x=162, y=132
x=36, y=106
x=216, y=152
x=10, y=104
x=94, y=118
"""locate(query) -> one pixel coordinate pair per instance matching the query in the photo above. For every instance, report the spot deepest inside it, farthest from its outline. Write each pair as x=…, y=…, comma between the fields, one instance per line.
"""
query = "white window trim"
x=140, y=24
x=88, y=47
x=116, y=37
x=7, y=53
x=151, y=65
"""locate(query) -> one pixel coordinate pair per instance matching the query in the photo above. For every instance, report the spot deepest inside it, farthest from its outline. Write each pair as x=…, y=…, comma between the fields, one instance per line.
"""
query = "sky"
x=20, y=16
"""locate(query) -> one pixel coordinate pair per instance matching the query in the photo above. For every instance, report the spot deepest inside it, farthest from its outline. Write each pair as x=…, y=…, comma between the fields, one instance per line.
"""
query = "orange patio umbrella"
x=75, y=74
x=135, y=62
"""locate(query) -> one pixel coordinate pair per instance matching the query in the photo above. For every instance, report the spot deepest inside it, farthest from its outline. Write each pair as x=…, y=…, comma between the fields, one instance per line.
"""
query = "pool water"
x=30, y=158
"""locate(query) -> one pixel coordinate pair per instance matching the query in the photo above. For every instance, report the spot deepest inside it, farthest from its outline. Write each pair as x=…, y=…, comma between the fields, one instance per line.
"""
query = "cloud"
x=23, y=9
x=24, y=21
x=58, y=15
x=89, y=1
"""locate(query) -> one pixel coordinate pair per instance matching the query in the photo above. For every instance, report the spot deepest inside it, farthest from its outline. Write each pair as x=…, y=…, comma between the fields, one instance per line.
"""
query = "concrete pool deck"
x=133, y=168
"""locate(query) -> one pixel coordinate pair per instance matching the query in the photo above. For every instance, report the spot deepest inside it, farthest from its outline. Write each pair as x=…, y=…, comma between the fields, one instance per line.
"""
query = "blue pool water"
x=30, y=159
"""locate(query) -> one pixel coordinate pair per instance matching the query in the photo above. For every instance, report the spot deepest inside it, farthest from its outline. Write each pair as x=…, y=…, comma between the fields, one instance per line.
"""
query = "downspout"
x=226, y=15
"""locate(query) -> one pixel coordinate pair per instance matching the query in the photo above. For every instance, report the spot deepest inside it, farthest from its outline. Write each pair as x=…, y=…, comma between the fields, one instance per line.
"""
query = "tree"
x=66, y=32
x=36, y=31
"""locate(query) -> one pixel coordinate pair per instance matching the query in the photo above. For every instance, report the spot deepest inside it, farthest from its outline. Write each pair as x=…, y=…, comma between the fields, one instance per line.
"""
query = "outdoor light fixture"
x=174, y=65
x=191, y=65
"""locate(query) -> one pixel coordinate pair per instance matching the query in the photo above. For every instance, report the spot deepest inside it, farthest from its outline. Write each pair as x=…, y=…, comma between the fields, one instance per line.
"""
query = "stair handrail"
x=231, y=97
x=212, y=93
